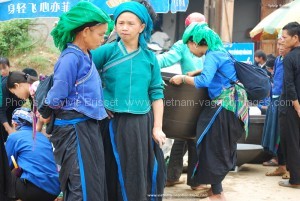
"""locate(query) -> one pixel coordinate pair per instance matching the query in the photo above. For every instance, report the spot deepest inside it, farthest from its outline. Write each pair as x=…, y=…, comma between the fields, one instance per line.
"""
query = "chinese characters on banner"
x=11, y=9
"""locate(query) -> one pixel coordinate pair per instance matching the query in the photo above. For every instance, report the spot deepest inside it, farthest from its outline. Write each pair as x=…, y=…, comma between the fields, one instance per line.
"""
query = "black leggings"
x=27, y=191
x=217, y=188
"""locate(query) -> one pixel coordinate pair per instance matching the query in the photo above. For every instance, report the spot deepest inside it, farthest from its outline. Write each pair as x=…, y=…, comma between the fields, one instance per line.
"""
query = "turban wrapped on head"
x=22, y=116
x=142, y=13
x=82, y=13
x=201, y=31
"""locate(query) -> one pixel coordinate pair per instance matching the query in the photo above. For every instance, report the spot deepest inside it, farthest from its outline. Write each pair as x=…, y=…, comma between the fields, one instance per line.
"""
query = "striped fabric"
x=235, y=99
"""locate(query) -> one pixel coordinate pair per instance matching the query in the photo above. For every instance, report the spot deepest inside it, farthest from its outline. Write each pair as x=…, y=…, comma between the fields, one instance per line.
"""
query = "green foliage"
x=14, y=37
x=39, y=61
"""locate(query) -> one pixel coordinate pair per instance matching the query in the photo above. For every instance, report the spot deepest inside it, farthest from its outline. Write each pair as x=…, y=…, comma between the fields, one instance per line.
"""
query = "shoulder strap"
x=233, y=60
x=231, y=80
x=230, y=55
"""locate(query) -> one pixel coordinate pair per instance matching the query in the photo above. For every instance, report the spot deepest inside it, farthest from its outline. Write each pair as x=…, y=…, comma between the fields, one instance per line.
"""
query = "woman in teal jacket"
x=133, y=94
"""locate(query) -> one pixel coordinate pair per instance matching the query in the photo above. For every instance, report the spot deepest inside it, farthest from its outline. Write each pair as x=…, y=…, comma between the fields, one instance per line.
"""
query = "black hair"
x=293, y=28
x=4, y=61
x=271, y=56
x=30, y=71
x=89, y=24
x=270, y=61
x=201, y=43
x=25, y=123
x=19, y=77
x=150, y=9
x=260, y=53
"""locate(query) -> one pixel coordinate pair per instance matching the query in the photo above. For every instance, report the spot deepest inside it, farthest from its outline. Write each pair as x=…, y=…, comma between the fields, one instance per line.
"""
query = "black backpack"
x=41, y=94
x=255, y=80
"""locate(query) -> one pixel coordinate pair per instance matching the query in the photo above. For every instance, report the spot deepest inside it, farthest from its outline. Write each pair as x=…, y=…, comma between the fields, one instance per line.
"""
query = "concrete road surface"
x=249, y=183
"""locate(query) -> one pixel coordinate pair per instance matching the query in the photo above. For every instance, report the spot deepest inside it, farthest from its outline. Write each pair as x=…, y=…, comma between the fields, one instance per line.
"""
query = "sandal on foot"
x=173, y=183
x=288, y=184
x=200, y=187
x=204, y=194
x=286, y=175
x=278, y=172
x=271, y=162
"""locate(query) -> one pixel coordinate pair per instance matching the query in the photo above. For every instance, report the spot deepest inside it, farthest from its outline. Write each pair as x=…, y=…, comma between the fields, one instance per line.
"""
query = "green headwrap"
x=142, y=13
x=82, y=13
x=201, y=31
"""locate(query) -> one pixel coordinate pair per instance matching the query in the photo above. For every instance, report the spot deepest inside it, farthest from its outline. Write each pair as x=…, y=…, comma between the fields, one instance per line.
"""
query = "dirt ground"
x=249, y=183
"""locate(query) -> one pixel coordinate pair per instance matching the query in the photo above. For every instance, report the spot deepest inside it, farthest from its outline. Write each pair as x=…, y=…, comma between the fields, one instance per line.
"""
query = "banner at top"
x=12, y=9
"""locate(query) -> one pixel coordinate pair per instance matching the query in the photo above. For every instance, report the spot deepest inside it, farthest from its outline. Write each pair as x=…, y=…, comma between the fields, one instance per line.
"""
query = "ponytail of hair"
x=15, y=77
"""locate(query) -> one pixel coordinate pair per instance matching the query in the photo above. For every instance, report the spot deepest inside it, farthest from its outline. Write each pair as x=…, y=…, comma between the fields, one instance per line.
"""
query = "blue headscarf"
x=142, y=13
x=22, y=116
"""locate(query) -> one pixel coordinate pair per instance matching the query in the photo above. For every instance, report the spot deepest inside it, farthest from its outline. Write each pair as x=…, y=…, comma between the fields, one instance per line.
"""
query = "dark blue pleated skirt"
x=271, y=134
x=135, y=167
x=218, y=131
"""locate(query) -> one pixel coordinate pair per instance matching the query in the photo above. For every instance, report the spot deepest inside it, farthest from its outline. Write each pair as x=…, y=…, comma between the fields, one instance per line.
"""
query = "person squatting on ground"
x=133, y=94
x=192, y=65
x=35, y=176
x=223, y=123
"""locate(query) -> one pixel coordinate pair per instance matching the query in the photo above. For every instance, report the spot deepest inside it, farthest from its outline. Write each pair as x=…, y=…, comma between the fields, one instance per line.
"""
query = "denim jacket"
x=76, y=84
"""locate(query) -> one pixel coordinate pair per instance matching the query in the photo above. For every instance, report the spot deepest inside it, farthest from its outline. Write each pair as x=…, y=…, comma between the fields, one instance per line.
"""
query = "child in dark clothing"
x=4, y=66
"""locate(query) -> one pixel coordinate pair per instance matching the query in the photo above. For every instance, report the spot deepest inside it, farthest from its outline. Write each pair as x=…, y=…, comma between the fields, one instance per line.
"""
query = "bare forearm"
x=39, y=125
x=194, y=73
x=188, y=80
x=157, y=133
x=8, y=128
x=179, y=79
x=158, y=111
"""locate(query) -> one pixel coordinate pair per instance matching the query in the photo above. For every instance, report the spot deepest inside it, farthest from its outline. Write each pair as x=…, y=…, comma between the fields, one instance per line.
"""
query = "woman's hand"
x=159, y=136
x=177, y=79
x=297, y=107
x=110, y=114
x=194, y=73
x=8, y=128
x=43, y=120
x=59, y=199
x=17, y=172
x=298, y=112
